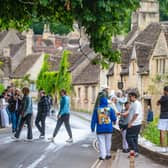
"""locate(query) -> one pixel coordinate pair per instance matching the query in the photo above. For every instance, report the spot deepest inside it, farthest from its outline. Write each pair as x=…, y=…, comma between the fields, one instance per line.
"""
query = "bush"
x=152, y=133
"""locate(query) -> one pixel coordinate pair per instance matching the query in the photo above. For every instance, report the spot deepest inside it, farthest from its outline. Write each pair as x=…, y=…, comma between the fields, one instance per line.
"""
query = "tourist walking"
x=102, y=119
x=134, y=122
x=26, y=114
x=42, y=111
x=163, y=120
x=63, y=116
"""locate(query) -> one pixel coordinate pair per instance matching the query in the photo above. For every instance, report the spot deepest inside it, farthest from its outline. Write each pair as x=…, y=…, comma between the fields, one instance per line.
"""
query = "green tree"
x=163, y=10
x=45, y=67
x=56, y=28
x=101, y=19
x=64, y=78
x=49, y=83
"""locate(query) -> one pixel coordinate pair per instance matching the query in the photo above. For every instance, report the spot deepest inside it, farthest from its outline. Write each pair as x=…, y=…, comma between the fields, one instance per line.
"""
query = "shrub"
x=152, y=133
x=2, y=88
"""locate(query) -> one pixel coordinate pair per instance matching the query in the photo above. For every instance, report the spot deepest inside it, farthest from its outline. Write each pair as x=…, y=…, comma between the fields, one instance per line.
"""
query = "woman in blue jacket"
x=102, y=119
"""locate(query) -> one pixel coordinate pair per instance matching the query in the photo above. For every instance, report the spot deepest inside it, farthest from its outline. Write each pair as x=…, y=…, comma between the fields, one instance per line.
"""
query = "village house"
x=26, y=53
x=144, y=54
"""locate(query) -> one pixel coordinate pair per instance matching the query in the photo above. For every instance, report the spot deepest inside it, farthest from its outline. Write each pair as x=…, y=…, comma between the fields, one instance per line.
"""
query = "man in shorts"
x=163, y=121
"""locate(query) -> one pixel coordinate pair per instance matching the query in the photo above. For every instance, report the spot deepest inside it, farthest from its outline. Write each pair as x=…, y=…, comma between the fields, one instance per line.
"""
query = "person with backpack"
x=102, y=119
x=42, y=111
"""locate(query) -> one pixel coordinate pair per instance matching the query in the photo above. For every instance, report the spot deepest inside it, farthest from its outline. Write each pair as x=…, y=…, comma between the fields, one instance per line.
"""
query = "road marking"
x=95, y=145
x=97, y=163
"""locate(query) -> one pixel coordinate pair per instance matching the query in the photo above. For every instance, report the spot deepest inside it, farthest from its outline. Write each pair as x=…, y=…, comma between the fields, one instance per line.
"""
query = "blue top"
x=64, y=105
x=102, y=118
x=27, y=105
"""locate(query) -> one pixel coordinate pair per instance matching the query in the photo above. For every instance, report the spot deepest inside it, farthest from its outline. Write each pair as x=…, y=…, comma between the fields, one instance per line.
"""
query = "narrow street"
x=45, y=154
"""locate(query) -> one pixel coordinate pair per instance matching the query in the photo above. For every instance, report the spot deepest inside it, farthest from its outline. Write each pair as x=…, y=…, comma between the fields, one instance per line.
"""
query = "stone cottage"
x=144, y=53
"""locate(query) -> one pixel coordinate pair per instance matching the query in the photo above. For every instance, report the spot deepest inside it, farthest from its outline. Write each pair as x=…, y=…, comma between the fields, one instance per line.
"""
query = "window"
x=86, y=92
x=93, y=93
x=160, y=66
x=79, y=93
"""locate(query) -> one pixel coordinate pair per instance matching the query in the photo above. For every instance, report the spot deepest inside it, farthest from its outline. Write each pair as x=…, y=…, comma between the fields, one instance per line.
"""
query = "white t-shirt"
x=136, y=108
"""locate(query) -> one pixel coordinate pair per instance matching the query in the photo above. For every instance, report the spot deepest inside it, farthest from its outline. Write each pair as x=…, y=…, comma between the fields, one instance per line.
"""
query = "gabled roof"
x=125, y=59
x=75, y=58
x=131, y=35
x=149, y=35
x=90, y=75
x=143, y=53
x=25, y=65
x=14, y=48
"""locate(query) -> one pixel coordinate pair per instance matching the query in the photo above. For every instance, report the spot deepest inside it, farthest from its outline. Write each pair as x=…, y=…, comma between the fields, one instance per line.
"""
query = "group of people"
x=16, y=108
x=43, y=110
x=125, y=112
x=121, y=110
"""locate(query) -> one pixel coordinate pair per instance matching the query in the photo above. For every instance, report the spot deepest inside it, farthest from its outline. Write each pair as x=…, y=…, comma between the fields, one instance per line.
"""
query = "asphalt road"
x=45, y=154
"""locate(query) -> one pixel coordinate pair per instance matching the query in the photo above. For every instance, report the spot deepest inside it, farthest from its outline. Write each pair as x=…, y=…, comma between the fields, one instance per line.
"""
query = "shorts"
x=163, y=124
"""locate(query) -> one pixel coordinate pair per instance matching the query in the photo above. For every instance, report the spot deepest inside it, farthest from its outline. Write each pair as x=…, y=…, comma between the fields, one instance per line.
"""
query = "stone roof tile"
x=90, y=75
x=25, y=65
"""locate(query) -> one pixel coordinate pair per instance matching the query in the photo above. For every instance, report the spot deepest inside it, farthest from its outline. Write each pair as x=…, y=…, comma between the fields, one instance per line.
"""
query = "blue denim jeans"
x=132, y=137
x=13, y=120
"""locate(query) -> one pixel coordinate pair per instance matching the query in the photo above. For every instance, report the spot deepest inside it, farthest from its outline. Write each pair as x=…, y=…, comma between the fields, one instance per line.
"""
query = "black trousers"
x=132, y=137
x=27, y=120
x=40, y=123
x=63, y=119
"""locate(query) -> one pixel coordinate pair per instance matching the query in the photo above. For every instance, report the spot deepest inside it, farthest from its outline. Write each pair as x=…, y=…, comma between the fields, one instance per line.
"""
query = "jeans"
x=41, y=119
x=132, y=137
x=63, y=119
x=26, y=119
x=14, y=121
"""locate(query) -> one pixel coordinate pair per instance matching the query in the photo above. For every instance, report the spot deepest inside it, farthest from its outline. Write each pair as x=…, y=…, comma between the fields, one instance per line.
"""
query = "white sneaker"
x=14, y=138
x=69, y=140
x=28, y=140
x=41, y=137
x=51, y=139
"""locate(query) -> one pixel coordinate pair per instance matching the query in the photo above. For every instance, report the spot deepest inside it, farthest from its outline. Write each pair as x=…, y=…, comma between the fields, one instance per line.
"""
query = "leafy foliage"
x=2, y=88
x=49, y=83
x=56, y=28
x=101, y=19
x=40, y=83
x=53, y=81
x=64, y=78
x=151, y=132
x=163, y=10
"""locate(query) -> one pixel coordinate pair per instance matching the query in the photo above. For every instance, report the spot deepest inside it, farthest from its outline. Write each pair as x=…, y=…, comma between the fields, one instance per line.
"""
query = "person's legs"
x=67, y=125
x=29, y=127
x=58, y=125
x=43, y=118
x=37, y=123
x=162, y=138
x=102, y=146
x=20, y=127
x=136, y=131
x=124, y=141
x=129, y=138
x=108, y=140
x=13, y=119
